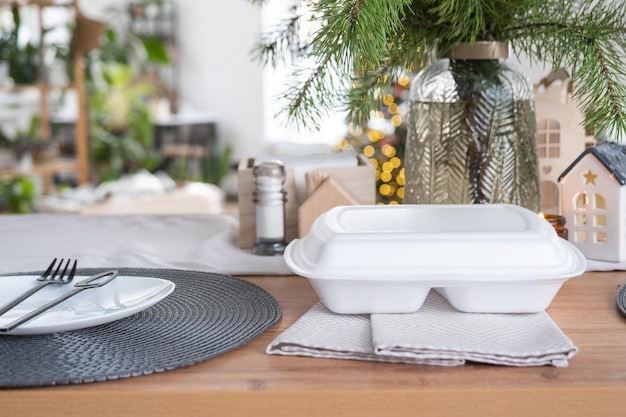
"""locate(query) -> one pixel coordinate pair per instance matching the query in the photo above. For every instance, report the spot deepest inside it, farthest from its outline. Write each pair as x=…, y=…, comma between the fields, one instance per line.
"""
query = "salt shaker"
x=269, y=199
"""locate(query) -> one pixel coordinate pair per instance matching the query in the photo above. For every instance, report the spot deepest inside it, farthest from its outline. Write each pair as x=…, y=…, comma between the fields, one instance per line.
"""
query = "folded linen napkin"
x=437, y=334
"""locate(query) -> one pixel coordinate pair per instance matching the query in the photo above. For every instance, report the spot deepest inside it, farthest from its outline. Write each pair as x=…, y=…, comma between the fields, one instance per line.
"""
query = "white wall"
x=535, y=71
x=217, y=74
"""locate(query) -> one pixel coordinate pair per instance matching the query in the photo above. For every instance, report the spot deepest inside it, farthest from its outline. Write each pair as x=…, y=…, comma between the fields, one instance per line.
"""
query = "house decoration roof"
x=610, y=154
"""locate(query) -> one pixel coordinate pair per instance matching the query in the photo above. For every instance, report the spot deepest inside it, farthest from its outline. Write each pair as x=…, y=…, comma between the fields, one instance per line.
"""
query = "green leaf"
x=117, y=74
x=156, y=50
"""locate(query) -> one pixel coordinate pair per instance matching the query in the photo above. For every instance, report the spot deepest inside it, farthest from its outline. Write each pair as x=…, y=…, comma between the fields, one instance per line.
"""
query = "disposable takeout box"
x=481, y=258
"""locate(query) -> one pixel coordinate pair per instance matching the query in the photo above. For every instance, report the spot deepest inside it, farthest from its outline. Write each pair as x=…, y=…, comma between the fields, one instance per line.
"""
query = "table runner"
x=194, y=242
x=593, y=265
x=199, y=243
x=207, y=315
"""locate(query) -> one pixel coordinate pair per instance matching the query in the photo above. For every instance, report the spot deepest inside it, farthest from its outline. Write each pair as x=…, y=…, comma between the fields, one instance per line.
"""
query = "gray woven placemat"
x=207, y=315
x=621, y=299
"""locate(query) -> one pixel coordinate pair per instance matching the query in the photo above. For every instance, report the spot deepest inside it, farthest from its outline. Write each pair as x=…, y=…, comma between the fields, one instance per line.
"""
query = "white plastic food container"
x=482, y=258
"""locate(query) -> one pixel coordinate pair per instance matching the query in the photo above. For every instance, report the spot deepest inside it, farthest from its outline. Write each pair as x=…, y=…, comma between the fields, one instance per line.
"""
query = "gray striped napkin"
x=435, y=335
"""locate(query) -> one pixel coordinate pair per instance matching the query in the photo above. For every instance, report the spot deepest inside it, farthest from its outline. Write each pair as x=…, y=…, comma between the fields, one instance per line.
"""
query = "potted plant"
x=17, y=195
x=7, y=152
x=121, y=129
x=23, y=61
x=27, y=143
x=121, y=88
x=358, y=49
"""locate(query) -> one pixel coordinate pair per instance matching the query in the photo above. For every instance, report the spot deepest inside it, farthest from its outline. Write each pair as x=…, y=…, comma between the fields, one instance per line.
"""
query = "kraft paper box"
x=318, y=190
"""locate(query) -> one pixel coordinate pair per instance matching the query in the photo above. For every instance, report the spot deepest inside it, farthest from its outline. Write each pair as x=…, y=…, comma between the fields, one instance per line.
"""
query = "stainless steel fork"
x=47, y=278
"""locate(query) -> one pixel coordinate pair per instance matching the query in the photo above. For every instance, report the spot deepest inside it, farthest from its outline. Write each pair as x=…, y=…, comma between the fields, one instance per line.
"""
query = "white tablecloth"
x=198, y=242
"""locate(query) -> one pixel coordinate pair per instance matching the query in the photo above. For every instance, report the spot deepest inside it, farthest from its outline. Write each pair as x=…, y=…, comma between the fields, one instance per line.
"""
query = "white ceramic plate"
x=120, y=298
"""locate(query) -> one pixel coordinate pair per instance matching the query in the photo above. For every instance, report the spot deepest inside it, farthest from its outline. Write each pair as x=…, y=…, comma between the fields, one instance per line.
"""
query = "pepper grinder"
x=269, y=199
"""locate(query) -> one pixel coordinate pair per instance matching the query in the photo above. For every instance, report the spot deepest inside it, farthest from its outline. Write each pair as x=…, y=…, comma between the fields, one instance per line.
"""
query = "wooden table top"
x=248, y=382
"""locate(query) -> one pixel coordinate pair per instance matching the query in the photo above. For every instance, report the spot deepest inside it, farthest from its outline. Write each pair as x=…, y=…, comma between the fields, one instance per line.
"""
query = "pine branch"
x=345, y=48
x=310, y=100
x=358, y=45
x=281, y=43
x=591, y=43
x=602, y=98
x=367, y=93
x=368, y=88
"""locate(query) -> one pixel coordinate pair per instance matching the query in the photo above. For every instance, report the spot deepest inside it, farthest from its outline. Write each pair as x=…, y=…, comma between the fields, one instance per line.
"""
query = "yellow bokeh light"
x=374, y=162
x=371, y=136
x=400, y=192
x=393, y=108
x=387, y=167
x=384, y=189
x=395, y=161
x=342, y=144
x=389, y=151
x=388, y=99
x=400, y=180
x=369, y=151
x=404, y=80
x=396, y=120
x=377, y=175
x=385, y=176
x=393, y=203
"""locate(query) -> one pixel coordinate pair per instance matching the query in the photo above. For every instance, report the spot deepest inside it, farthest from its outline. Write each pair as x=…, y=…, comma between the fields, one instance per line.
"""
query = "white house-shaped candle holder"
x=593, y=202
x=561, y=136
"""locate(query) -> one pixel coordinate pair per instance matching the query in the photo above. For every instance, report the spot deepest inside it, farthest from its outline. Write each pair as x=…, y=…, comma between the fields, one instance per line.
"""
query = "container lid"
x=433, y=242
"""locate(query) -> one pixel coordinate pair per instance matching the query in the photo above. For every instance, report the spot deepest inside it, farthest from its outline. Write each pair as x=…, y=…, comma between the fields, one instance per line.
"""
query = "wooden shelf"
x=17, y=88
x=38, y=3
x=45, y=170
x=81, y=164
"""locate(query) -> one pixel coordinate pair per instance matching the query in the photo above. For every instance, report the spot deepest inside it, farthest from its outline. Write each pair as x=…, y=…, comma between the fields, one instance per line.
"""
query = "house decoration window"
x=600, y=202
x=548, y=138
x=580, y=201
x=580, y=218
x=593, y=210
